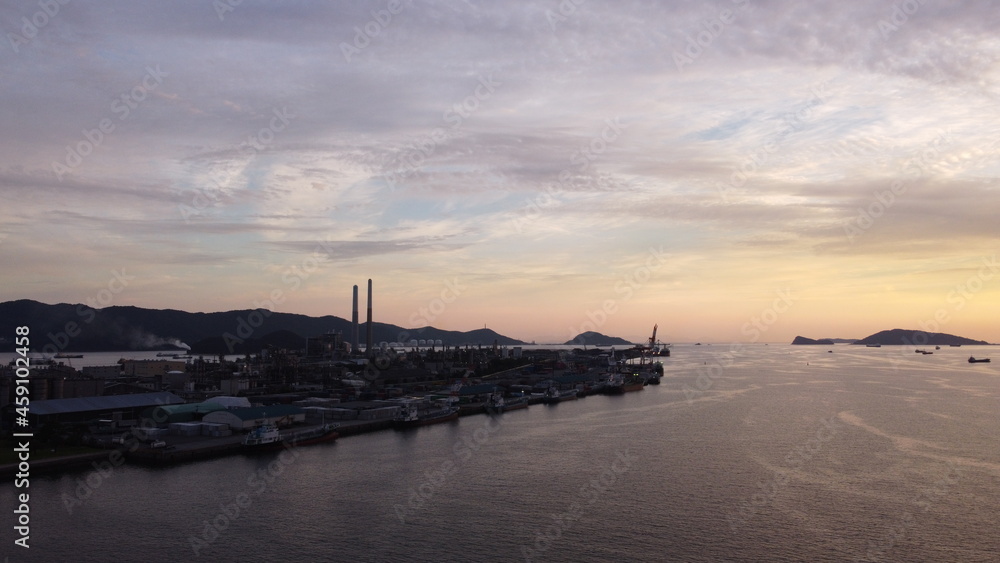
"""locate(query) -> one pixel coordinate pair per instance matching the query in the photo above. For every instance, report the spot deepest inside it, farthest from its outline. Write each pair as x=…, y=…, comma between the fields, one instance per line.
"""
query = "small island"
x=802, y=340
x=591, y=338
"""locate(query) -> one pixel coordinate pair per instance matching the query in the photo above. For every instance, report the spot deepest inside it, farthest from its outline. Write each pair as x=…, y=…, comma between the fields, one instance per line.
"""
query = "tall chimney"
x=369, y=349
x=354, y=324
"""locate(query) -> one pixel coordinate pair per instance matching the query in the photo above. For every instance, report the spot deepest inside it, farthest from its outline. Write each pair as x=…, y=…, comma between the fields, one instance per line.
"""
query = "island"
x=808, y=341
x=591, y=338
x=903, y=337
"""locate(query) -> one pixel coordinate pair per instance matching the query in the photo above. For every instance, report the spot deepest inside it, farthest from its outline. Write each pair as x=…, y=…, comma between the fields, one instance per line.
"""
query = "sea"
x=743, y=453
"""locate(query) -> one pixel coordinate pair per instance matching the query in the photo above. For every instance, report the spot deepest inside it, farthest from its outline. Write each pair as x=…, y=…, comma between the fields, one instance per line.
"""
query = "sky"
x=731, y=171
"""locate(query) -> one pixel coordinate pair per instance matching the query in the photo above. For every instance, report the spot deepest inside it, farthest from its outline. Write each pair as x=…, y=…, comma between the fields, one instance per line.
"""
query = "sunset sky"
x=737, y=170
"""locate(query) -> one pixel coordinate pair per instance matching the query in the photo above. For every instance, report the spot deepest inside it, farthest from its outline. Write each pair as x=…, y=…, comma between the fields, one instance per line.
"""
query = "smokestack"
x=354, y=323
x=368, y=343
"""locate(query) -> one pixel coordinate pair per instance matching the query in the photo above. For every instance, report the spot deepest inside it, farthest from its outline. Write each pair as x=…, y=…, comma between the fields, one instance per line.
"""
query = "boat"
x=618, y=384
x=165, y=354
x=411, y=415
x=973, y=360
x=324, y=433
x=553, y=395
x=874, y=345
x=262, y=436
x=652, y=377
x=497, y=403
x=267, y=436
x=62, y=355
x=633, y=383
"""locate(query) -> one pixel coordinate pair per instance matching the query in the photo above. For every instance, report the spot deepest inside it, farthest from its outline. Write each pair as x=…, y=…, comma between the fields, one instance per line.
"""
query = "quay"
x=165, y=428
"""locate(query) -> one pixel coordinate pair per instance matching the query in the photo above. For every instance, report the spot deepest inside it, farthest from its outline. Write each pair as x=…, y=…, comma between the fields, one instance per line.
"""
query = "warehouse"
x=190, y=412
x=117, y=409
x=246, y=418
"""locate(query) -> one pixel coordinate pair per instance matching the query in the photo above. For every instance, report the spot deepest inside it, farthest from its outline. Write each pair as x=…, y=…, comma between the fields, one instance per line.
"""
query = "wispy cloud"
x=747, y=163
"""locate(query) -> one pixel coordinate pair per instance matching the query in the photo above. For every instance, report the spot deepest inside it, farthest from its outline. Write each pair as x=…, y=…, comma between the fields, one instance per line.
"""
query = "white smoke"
x=139, y=339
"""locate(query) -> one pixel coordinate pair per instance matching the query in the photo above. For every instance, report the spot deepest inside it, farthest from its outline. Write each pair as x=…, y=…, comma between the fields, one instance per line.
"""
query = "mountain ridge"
x=65, y=327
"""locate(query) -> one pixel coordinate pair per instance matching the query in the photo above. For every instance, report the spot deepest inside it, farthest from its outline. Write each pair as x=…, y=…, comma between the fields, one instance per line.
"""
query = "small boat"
x=411, y=415
x=553, y=395
x=973, y=360
x=263, y=435
x=874, y=345
x=64, y=355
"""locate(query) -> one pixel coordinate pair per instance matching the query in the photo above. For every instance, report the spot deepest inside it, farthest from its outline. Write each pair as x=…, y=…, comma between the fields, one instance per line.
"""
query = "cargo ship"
x=497, y=403
x=267, y=436
x=553, y=396
x=411, y=416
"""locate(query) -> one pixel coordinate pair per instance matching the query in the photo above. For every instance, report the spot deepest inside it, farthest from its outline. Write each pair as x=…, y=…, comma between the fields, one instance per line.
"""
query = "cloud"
x=473, y=137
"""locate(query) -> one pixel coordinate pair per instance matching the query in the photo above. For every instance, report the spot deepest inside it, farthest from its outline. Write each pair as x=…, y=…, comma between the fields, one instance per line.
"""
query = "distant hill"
x=591, y=338
x=78, y=328
x=901, y=337
x=804, y=340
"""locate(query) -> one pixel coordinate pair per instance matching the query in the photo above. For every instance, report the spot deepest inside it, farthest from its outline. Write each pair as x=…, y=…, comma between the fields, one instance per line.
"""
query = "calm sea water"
x=778, y=453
